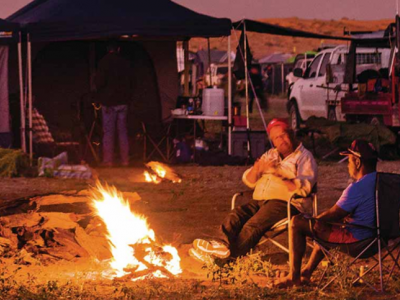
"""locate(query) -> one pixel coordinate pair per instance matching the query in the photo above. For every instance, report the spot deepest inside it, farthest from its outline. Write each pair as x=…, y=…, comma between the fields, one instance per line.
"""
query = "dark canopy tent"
x=9, y=35
x=70, y=36
x=60, y=20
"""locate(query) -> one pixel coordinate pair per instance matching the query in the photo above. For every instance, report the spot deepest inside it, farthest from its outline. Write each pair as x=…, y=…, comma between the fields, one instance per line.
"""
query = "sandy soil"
x=179, y=213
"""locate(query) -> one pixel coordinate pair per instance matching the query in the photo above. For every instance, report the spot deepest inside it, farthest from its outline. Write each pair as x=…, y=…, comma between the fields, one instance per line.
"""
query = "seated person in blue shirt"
x=355, y=206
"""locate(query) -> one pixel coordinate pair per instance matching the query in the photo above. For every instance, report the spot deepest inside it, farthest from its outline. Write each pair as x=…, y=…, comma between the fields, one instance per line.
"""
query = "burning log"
x=157, y=172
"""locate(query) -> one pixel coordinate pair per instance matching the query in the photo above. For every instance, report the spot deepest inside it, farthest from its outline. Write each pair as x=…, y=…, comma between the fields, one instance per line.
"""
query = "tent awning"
x=260, y=27
x=58, y=20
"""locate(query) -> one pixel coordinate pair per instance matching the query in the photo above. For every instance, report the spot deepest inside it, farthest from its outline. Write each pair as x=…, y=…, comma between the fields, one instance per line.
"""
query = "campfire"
x=157, y=172
x=136, y=254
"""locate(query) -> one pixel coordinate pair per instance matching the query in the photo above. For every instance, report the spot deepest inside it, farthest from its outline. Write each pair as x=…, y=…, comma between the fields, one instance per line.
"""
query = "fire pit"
x=136, y=253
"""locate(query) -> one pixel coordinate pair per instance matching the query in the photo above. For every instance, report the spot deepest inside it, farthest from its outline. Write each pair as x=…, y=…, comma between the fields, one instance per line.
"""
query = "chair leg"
x=380, y=264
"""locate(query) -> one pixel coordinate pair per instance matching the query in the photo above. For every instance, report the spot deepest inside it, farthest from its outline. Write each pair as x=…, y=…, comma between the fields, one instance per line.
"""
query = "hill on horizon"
x=262, y=45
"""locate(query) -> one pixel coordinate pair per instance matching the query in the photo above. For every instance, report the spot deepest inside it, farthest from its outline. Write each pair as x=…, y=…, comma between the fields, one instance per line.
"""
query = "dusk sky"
x=257, y=9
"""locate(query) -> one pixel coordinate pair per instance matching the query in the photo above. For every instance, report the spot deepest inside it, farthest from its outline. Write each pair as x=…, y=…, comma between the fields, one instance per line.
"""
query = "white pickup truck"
x=316, y=95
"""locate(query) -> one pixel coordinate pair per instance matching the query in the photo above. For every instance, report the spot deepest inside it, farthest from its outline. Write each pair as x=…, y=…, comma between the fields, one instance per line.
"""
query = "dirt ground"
x=181, y=212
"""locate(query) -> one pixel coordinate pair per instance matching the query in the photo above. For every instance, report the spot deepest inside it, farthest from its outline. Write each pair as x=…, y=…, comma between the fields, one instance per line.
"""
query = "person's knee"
x=297, y=222
x=253, y=229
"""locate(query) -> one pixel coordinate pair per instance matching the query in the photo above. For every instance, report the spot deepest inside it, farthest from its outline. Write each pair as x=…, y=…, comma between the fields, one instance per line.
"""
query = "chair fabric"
x=40, y=130
x=42, y=137
x=388, y=191
x=161, y=143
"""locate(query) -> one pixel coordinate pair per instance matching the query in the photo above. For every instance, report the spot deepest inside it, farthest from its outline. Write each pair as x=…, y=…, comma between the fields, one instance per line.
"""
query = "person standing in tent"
x=114, y=91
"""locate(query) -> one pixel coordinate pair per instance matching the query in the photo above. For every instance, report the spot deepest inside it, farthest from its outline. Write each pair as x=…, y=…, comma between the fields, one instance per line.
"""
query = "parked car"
x=318, y=93
x=301, y=61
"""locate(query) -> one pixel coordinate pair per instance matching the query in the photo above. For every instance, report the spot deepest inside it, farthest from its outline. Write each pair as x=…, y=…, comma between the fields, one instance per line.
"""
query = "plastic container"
x=213, y=102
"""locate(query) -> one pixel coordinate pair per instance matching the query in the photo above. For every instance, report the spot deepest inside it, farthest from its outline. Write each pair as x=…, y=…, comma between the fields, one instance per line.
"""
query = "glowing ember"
x=129, y=233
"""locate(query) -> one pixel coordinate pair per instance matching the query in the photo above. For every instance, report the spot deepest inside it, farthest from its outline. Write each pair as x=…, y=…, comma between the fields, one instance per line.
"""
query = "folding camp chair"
x=283, y=225
x=161, y=142
x=385, y=237
x=44, y=141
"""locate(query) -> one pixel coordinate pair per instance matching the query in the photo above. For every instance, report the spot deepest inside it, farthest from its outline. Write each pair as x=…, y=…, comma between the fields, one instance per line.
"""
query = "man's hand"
x=266, y=166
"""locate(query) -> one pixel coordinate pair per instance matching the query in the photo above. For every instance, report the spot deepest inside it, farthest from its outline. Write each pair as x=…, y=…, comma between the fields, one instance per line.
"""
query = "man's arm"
x=252, y=175
x=334, y=214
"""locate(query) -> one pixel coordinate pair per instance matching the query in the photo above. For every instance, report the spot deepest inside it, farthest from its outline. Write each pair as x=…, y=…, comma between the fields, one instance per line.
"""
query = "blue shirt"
x=358, y=199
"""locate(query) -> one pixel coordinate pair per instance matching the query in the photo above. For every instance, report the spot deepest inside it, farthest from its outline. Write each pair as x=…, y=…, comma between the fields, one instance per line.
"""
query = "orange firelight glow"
x=127, y=229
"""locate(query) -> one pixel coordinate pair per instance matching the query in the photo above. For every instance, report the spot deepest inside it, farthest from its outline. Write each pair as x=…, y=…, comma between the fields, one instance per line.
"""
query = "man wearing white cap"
x=285, y=170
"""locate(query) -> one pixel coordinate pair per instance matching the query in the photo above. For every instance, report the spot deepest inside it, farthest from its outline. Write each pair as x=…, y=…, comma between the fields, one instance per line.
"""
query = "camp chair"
x=161, y=143
x=385, y=237
x=44, y=141
x=283, y=225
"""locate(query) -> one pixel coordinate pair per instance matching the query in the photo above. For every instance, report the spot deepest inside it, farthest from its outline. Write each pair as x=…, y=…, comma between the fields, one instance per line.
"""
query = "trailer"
x=376, y=98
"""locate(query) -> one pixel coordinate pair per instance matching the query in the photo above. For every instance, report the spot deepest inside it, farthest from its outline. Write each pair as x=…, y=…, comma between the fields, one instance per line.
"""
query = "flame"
x=126, y=229
x=151, y=178
x=160, y=173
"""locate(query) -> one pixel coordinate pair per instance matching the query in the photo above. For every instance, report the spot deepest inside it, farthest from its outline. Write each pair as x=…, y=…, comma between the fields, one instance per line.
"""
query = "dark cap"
x=361, y=149
x=277, y=122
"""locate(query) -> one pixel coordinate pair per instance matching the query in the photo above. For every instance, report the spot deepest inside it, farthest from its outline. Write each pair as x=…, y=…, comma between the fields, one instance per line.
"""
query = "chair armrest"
x=233, y=203
x=347, y=224
x=239, y=194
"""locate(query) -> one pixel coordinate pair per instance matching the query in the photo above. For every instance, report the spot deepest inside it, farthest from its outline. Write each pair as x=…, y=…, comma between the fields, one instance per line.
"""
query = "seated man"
x=287, y=169
x=355, y=206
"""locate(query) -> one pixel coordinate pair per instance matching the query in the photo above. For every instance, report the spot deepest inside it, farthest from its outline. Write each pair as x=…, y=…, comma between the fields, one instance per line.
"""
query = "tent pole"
x=30, y=98
x=229, y=97
x=283, y=78
x=21, y=95
x=209, y=60
x=186, y=71
x=246, y=88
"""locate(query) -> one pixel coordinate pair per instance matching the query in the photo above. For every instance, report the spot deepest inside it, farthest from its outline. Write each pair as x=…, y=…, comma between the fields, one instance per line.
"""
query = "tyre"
x=294, y=117
x=332, y=114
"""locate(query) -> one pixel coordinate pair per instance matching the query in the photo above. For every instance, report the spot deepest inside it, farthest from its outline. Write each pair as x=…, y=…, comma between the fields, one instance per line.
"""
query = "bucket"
x=213, y=102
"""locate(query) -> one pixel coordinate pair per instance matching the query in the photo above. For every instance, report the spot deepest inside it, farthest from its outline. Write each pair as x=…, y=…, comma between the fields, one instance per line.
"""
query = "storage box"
x=258, y=142
x=239, y=121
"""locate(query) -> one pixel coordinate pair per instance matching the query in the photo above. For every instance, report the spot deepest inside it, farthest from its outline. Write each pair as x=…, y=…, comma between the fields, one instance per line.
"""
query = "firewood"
x=96, y=246
x=59, y=199
x=18, y=206
x=67, y=248
x=25, y=258
x=4, y=242
x=19, y=220
x=170, y=174
x=140, y=253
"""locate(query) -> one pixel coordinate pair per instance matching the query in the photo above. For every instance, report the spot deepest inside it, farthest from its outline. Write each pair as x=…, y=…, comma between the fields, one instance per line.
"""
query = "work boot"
x=213, y=248
x=200, y=257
